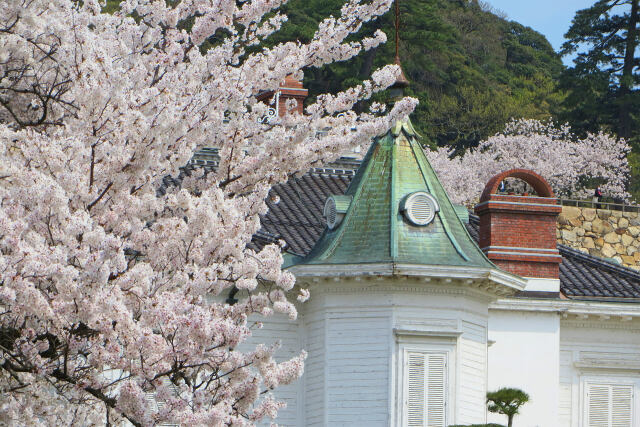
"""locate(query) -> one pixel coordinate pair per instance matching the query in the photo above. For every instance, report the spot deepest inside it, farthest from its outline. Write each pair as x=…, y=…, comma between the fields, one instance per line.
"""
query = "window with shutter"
x=425, y=398
x=609, y=405
x=436, y=390
x=416, y=390
x=621, y=406
x=157, y=405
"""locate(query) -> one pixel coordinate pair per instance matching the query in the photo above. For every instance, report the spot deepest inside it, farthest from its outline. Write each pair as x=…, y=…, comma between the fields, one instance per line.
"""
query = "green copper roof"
x=374, y=230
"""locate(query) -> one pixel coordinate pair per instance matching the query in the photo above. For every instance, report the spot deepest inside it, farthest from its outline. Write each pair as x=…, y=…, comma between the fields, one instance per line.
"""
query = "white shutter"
x=609, y=405
x=157, y=405
x=598, y=402
x=426, y=389
x=436, y=392
x=150, y=397
x=621, y=404
x=416, y=389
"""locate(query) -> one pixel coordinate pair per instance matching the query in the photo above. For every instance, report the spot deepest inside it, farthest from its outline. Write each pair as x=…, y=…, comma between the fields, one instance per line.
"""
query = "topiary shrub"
x=477, y=425
x=506, y=401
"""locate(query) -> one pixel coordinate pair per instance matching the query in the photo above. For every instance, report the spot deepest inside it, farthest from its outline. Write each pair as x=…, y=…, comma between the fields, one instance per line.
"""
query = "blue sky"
x=549, y=17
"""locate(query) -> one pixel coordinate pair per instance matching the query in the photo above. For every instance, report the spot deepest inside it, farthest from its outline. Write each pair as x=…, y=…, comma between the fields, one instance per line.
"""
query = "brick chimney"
x=518, y=232
x=291, y=88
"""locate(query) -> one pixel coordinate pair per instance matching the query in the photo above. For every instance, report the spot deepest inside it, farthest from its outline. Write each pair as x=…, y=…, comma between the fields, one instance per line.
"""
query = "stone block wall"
x=607, y=234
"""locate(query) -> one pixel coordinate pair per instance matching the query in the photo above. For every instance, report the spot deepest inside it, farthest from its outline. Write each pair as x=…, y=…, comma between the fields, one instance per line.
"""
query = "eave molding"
x=483, y=292
x=401, y=333
x=507, y=283
x=610, y=365
x=580, y=309
x=612, y=324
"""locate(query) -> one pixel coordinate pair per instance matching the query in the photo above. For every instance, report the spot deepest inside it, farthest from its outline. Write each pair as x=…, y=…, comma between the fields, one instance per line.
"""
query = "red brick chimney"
x=291, y=88
x=518, y=232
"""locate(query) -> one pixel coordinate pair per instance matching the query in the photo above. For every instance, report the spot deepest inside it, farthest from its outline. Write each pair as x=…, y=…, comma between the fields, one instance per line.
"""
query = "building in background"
x=419, y=307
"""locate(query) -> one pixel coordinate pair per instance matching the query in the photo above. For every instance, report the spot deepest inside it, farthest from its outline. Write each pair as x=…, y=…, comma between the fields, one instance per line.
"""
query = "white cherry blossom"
x=110, y=290
x=572, y=166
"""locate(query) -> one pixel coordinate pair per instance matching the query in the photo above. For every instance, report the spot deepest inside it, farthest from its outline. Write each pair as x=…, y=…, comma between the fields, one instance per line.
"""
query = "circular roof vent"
x=334, y=210
x=420, y=208
x=330, y=212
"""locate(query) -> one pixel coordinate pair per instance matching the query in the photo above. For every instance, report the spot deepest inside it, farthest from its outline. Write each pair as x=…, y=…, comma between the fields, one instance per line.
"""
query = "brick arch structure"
x=518, y=232
x=539, y=184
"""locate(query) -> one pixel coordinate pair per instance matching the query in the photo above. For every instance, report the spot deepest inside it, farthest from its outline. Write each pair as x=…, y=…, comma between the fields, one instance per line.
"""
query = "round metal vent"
x=331, y=213
x=335, y=208
x=420, y=208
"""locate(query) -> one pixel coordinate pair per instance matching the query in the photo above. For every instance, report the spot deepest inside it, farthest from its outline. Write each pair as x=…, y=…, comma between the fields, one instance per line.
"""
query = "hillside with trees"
x=471, y=68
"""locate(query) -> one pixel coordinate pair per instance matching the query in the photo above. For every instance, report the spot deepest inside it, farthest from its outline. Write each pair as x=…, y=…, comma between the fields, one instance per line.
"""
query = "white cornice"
x=597, y=364
x=511, y=282
x=615, y=323
x=568, y=307
x=484, y=293
x=425, y=332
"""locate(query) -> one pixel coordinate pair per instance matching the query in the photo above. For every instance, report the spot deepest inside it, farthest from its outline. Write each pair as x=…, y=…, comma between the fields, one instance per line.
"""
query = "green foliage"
x=111, y=6
x=471, y=70
x=478, y=425
x=634, y=182
x=606, y=38
x=602, y=86
x=506, y=401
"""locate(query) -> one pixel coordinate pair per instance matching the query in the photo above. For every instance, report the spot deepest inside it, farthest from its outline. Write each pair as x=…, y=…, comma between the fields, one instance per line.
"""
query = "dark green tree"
x=506, y=401
x=471, y=69
x=603, y=82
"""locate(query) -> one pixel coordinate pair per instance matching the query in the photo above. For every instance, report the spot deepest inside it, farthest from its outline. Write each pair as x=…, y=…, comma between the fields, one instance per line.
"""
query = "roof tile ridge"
x=474, y=218
x=599, y=262
x=264, y=233
x=332, y=171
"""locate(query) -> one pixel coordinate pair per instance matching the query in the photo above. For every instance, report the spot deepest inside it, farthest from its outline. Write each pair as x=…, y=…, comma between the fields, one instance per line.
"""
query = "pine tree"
x=607, y=67
x=507, y=401
x=471, y=70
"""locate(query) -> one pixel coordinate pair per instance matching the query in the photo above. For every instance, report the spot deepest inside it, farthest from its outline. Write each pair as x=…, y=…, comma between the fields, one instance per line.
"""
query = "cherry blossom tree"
x=572, y=166
x=110, y=291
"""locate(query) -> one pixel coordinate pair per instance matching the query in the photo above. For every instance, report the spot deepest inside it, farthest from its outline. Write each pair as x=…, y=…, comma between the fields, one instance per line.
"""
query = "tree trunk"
x=510, y=423
x=365, y=71
x=626, y=81
x=367, y=64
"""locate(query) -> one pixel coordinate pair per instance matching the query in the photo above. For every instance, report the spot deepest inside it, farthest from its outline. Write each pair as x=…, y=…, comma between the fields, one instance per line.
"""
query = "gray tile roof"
x=297, y=219
x=584, y=276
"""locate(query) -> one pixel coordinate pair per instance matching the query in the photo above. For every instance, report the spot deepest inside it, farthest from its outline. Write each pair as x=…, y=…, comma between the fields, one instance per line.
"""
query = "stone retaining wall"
x=604, y=233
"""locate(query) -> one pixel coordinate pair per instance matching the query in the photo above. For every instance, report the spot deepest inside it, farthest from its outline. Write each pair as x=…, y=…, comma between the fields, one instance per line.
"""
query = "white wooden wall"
x=313, y=380
x=351, y=331
x=348, y=338
x=280, y=328
x=585, y=344
x=524, y=355
x=464, y=318
x=358, y=357
x=473, y=371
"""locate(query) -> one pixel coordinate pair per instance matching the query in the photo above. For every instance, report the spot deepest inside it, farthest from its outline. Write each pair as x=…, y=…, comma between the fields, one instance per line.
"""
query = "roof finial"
x=397, y=30
x=401, y=81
